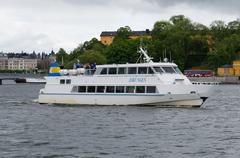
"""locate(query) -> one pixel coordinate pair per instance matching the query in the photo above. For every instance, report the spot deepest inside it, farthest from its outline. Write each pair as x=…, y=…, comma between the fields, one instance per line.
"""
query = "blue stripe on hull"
x=102, y=94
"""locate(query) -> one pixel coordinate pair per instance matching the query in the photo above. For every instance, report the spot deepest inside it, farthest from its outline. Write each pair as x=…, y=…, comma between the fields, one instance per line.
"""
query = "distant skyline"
x=43, y=25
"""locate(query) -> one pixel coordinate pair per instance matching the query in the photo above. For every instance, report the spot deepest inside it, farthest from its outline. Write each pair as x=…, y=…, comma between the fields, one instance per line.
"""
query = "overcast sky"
x=43, y=25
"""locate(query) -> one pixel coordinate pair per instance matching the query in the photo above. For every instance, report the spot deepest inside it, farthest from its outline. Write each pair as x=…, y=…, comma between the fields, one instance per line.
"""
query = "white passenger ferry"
x=150, y=83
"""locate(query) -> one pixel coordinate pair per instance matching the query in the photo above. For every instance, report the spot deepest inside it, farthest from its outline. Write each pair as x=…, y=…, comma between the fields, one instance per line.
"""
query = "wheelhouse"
x=138, y=69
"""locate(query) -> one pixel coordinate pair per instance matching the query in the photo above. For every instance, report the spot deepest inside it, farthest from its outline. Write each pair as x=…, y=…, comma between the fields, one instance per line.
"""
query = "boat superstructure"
x=149, y=83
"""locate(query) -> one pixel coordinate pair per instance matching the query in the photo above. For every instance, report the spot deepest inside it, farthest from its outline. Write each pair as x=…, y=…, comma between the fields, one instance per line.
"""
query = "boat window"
x=120, y=89
x=177, y=70
x=169, y=70
x=150, y=70
x=122, y=70
x=158, y=70
x=142, y=70
x=82, y=89
x=151, y=89
x=68, y=81
x=130, y=89
x=91, y=89
x=132, y=70
x=140, y=89
x=100, y=89
x=110, y=89
x=112, y=71
x=62, y=81
x=104, y=71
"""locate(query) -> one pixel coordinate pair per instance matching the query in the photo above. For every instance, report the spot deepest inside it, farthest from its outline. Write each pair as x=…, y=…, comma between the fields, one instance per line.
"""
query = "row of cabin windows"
x=114, y=89
x=139, y=70
x=67, y=81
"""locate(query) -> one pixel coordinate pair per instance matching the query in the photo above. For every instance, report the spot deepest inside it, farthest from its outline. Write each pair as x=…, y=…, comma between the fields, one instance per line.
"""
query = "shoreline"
x=221, y=80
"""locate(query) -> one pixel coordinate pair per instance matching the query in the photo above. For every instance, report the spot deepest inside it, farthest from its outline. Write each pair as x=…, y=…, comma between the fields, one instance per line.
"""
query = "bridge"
x=11, y=78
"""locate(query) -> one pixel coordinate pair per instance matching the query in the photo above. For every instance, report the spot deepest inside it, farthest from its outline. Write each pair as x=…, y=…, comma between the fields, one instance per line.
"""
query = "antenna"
x=165, y=53
x=170, y=56
x=165, y=59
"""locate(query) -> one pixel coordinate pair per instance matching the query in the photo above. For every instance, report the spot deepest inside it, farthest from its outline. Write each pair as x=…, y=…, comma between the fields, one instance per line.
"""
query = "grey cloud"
x=27, y=41
x=86, y=2
x=47, y=24
x=226, y=6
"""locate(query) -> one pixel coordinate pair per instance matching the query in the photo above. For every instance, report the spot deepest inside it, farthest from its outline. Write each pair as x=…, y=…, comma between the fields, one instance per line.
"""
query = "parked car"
x=198, y=73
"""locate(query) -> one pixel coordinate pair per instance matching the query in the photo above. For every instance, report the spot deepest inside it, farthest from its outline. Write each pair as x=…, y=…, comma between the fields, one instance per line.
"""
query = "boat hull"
x=177, y=100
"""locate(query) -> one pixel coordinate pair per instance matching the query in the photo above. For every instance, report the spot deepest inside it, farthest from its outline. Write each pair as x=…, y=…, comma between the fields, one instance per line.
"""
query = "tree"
x=200, y=29
x=234, y=27
x=122, y=51
x=226, y=51
x=62, y=56
x=181, y=22
x=94, y=45
x=161, y=30
x=123, y=33
x=218, y=30
x=91, y=57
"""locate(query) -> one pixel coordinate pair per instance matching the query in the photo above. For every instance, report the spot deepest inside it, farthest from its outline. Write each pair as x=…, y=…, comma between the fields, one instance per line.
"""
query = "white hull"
x=180, y=100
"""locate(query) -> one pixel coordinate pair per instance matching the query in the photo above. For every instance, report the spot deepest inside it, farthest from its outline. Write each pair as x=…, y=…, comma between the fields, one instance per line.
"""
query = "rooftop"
x=134, y=33
x=138, y=64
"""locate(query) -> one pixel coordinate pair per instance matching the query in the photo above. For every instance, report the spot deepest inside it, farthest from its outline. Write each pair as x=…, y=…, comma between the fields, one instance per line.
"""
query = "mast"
x=146, y=58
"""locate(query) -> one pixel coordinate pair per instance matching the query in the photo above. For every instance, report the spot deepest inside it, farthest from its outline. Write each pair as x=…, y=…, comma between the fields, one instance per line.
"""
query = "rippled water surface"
x=28, y=129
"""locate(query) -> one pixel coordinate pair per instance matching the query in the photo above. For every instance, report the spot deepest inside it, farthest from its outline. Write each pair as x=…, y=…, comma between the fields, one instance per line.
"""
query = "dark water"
x=31, y=130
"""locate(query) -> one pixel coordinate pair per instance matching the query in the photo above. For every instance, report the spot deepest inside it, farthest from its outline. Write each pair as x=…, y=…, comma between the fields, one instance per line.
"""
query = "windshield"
x=158, y=70
x=177, y=70
x=169, y=70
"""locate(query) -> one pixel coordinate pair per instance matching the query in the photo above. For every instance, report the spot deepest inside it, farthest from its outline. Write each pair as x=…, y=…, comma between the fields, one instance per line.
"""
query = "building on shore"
x=236, y=67
x=108, y=36
x=230, y=70
x=25, y=61
x=3, y=61
x=21, y=64
x=225, y=70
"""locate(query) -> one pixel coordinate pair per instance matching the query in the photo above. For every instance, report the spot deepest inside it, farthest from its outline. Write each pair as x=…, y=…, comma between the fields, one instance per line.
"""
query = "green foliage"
x=82, y=51
x=91, y=56
x=123, y=33
x=161, y=30
x=190, y=45
x=62, y=56
x=93, y=44
x=173, y=37
x=226, y=51
x=122, y=51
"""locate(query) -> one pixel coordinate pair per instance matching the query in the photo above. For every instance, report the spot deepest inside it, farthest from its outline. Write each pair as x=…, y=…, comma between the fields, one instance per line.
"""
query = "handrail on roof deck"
x=77, y=72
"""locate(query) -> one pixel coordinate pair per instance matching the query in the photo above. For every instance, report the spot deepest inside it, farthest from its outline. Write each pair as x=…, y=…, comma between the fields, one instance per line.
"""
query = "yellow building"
x=108, y=36
x=226, y=70
x=230, y=70
x=236, y=67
